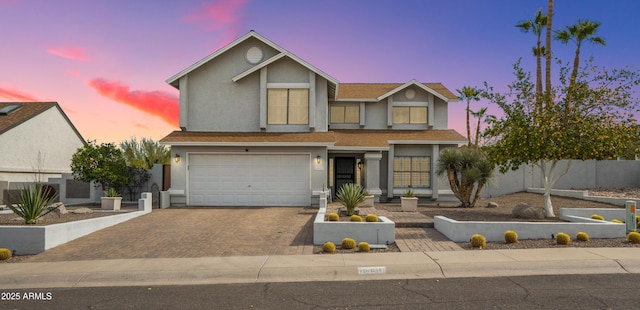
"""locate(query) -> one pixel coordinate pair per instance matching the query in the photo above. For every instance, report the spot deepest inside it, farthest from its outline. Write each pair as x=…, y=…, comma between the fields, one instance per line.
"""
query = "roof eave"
x=416, y=83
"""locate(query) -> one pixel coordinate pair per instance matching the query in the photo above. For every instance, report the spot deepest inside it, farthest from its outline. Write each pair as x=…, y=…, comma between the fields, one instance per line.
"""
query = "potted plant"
x=409, y=202
x=112, y=200
x=368, y=199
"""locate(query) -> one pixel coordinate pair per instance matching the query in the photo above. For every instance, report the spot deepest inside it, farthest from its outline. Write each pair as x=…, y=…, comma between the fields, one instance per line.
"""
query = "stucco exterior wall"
x=47, y=134
x=441, y=114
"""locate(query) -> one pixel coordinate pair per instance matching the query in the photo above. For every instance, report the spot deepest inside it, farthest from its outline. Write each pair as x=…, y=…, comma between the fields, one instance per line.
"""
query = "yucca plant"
x=351, y=196
x=32, y=202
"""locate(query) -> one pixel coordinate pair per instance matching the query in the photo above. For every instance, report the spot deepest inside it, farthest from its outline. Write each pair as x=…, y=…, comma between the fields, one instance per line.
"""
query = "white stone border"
x=29, y=240
x=585, y=196
x=381, y=232
x=461, y=231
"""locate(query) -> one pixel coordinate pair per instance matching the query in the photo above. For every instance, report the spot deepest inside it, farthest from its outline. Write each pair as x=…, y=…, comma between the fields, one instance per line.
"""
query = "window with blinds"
x=345, y=114
x=409, y=115
x=287, y=106
x=412, y=171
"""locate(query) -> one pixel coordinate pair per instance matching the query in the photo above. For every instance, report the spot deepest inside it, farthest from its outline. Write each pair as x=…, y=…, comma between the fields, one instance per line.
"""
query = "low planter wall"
x=585, y=196
x=29, y=240
x=608, y=214
x=461, y=231
x=381, y=232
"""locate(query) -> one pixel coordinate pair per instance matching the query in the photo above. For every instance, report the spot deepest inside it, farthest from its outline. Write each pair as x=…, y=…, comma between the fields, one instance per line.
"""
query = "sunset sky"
x=106, y=62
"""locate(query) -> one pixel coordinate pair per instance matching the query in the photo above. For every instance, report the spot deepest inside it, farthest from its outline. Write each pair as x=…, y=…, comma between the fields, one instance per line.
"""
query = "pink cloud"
x=221, y=15
x=72, y=72
x=157, y=103
x=13, y=94
x=69, y=52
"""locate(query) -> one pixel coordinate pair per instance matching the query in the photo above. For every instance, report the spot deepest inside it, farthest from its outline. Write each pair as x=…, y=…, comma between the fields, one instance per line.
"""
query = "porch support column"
x=372, y=175
x=434, y=177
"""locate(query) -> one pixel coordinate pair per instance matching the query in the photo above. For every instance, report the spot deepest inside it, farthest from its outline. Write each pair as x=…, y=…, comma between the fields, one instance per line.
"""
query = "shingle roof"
x=340, y=138
x=375, y=90
x=26, y=111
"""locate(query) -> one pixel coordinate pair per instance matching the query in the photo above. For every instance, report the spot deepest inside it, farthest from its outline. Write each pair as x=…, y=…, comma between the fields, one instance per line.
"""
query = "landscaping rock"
x=523, y=210
x=61, y=209
x=82, y=210
x=492, y=204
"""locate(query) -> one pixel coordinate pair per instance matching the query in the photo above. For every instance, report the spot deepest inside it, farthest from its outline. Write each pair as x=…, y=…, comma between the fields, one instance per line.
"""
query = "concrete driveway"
x=196, y=232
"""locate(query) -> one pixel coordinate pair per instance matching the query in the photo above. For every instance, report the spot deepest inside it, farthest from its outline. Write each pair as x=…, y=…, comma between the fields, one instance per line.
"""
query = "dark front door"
x=345, y=172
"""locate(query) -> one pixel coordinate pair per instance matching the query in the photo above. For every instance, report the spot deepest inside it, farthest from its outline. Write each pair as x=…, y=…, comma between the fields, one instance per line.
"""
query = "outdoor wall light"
x=177, y=158
x=360, y=165
x=318, y=159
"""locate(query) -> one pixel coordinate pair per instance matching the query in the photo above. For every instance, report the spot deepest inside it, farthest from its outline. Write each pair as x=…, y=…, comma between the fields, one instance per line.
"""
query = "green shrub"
x=634, y=237
x=348, y=243
x=31, y=203
x=333, y=217
x=351, y=196
x=408, y=193
x=478, y=241
x=371, y=218
x=355, y=218
x=597, y=217
x=329, y=247
x=364, y=247
x=582, y=236
x=510, y=236
x=562, y=238
x=617, y=221
x=5, y=253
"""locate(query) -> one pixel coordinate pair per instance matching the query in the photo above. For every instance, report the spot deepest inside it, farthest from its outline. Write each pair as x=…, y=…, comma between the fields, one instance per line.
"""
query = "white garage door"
x=249, y=180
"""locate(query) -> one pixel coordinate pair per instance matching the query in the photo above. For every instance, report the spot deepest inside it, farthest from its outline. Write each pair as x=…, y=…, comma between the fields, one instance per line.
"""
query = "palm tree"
x=583, y=30
x=469, y=93
x=479, y=115
x=547, y=55
x=536, y=25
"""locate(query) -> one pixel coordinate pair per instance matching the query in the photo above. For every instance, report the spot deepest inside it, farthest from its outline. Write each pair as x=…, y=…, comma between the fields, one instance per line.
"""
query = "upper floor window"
x=345, y=114
x=409, y=115
x=287, y=106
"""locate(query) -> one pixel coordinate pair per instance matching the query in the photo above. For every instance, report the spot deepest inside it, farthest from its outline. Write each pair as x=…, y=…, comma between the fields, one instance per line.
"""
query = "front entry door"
x=344, y=172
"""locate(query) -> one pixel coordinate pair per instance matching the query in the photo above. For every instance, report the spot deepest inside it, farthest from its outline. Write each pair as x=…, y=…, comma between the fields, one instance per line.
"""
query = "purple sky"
x=106, y=62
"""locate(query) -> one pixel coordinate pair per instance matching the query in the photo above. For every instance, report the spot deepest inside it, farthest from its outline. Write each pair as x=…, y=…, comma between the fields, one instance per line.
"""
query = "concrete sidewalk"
x=325, y=267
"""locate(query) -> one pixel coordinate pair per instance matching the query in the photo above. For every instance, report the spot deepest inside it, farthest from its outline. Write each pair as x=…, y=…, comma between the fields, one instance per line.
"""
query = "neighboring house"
x=37, y=141
x=262, y=127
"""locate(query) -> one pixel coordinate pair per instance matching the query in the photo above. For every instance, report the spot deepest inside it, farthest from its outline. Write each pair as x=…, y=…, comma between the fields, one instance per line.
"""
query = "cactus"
x=634, y=237
x=582, y=236
x=562, y=238
x=371, y=218
x=333, y=217
x=329, y=247
x=364, y=247
x=355, y=218
x=5, y=253
x=510, y=236
x=348, y=243
x=617, y=221
x=597, y=217
x=478, y=241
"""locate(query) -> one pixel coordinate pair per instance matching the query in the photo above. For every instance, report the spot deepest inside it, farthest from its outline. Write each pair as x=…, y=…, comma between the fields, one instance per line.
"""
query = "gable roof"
x=333, y=83
x=378, y=91
x=27, y=111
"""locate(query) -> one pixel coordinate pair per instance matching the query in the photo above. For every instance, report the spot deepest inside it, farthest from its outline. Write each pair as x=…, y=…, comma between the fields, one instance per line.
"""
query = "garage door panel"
x=249, y=180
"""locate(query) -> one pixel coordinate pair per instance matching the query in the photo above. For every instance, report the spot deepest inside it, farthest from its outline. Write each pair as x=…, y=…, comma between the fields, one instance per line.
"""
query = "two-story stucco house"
x=262, y=127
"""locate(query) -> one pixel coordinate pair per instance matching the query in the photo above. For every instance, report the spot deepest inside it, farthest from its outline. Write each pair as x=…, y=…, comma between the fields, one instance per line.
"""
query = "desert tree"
x=468, y=170
x=600, y=124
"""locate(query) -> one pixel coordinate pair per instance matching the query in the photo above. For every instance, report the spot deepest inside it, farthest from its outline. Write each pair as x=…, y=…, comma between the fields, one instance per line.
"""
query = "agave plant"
x=351, y=196
x=32, y=202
